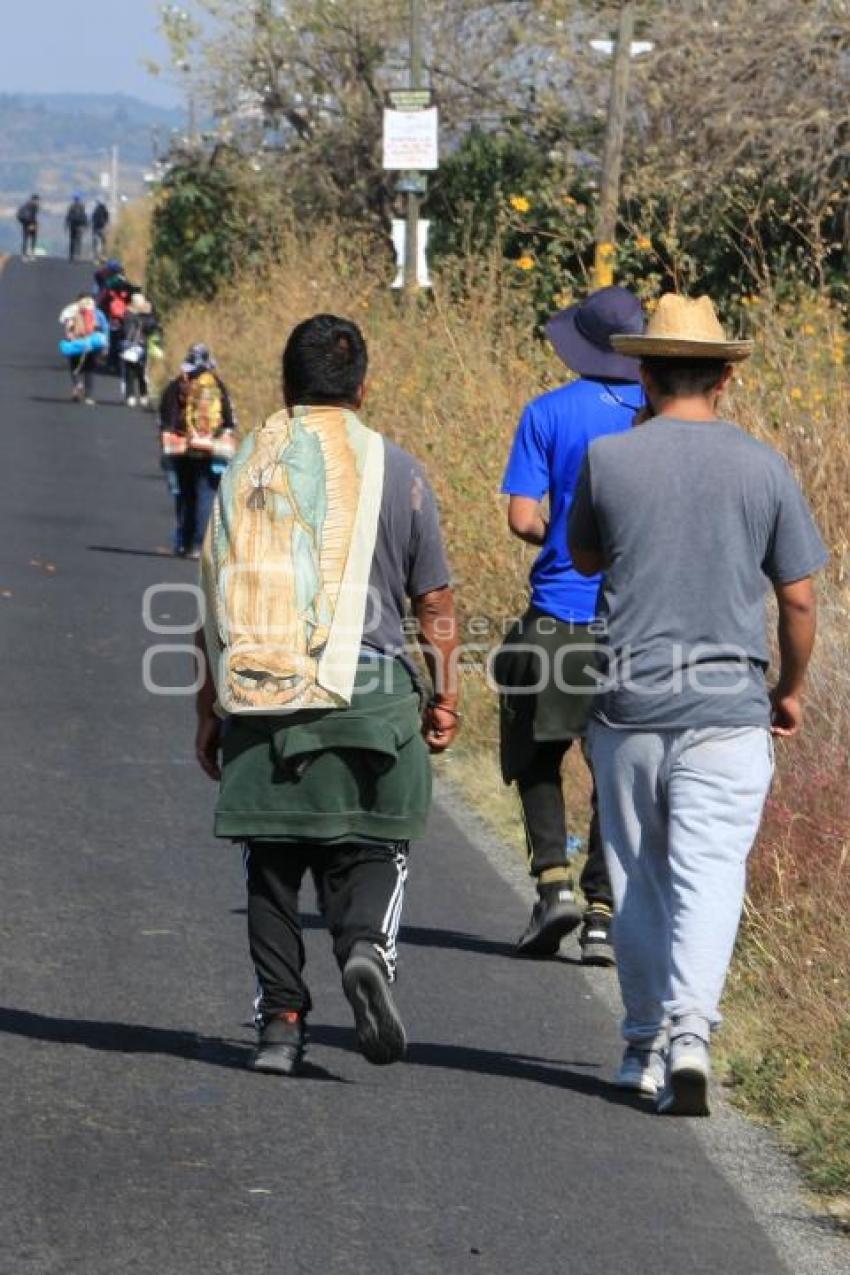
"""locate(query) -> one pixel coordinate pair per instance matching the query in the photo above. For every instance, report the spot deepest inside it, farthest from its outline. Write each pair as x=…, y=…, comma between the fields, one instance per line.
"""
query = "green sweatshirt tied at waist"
x=355, y=773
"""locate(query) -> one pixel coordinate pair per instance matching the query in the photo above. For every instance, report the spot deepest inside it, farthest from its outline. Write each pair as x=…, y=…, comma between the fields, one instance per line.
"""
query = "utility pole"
x=114, y=203
x=192, y=120
x=609, y=194
x=411, y=233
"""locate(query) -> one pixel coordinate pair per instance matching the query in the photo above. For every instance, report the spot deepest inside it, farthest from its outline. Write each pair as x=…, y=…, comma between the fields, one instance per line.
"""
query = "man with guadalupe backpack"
x=322, y=531
x=197, y=431
x=28, y=217
x=691, y=520
x=544, y=666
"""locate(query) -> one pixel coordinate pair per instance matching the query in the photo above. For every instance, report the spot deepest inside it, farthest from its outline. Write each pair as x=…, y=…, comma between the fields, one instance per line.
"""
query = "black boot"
x=554, y=915
x=380, y=1032
x=280, y=1049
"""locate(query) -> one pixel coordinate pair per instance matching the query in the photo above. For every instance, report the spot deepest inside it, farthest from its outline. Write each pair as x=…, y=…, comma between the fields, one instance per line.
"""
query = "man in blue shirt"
x=544, y=665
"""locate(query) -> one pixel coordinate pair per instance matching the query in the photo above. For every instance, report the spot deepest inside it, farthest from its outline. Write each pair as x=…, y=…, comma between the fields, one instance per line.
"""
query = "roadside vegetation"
x=734, y=183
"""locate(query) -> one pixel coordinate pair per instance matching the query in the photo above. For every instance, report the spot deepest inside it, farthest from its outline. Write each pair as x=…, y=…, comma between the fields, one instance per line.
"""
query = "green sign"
x=410, y=99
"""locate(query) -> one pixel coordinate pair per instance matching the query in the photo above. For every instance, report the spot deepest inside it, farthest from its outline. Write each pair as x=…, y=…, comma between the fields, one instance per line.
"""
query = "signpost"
x=411, y=148
x=624, y=48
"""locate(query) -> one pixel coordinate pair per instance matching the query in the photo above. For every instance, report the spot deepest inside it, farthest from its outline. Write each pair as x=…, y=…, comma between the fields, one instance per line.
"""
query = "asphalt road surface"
x=132, y=1137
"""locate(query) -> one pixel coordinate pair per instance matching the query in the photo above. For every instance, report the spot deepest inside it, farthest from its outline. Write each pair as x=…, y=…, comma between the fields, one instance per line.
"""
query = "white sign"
x=104, y=181
x=410, y=140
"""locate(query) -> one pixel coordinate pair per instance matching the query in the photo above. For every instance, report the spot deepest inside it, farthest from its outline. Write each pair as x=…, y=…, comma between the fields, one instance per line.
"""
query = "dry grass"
x=787, y=1039
x=130, y=238
x=448, y=381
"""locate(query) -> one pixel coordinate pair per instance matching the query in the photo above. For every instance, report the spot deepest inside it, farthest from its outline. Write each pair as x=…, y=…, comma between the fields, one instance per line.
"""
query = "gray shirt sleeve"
x=795, y=549
x=427, y=568
x=583, y=528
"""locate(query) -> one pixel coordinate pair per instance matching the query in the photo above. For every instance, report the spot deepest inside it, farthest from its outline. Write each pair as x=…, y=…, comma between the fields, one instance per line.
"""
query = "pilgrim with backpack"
x=27, y=215
x=76, y=220
x=113, y=298
x=139, y=326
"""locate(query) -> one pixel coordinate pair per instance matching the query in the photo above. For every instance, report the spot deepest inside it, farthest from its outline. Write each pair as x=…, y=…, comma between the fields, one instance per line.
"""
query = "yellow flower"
x=808, y=329
x=643, y=243
x=569, y=201
x=796, y=393
x=519, y=203
x=525, y=263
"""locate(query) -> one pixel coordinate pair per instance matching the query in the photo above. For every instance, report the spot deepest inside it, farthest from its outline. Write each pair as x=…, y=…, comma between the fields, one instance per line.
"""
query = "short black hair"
x=325, y=361
x=674, y=378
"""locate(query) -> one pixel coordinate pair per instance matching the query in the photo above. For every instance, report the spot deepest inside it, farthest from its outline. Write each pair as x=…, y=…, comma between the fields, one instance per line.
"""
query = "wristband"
x=444, y=708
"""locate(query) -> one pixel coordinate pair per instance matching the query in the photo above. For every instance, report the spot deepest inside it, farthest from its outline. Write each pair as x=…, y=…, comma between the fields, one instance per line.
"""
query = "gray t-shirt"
x=694, y=519
x=409, y=558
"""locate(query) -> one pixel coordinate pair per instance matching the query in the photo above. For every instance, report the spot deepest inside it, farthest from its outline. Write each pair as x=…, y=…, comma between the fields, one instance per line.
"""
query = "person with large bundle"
x=85, y=337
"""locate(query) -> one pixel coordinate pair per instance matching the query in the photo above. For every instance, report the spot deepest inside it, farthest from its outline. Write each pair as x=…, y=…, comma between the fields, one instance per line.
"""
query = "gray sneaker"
x=642, y=1070
x=685, y=1091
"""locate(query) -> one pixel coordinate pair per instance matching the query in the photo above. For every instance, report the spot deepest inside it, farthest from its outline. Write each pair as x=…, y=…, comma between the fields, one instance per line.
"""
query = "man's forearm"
x=438, y=639
x=796, y=632
x=205, y=698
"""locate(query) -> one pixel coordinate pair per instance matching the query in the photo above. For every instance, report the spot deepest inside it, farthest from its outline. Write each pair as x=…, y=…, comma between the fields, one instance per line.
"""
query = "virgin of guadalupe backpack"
x=287, y=560
x=204, y=409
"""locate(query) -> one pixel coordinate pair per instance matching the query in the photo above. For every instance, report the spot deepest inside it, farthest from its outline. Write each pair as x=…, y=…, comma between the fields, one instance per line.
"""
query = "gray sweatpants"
x=679, y=812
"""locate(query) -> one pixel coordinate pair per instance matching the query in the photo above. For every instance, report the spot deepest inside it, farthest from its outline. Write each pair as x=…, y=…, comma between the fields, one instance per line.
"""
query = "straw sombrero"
x=682, y=328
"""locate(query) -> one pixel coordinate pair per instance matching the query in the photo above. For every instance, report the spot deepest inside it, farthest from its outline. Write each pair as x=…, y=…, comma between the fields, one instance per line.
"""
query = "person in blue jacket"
x=545, y=665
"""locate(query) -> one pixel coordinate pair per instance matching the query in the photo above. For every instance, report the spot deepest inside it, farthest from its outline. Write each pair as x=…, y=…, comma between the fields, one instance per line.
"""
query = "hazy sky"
x=65, y=47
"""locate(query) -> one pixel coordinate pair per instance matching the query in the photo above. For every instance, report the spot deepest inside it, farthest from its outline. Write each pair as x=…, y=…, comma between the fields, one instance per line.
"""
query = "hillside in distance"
x=59, y=143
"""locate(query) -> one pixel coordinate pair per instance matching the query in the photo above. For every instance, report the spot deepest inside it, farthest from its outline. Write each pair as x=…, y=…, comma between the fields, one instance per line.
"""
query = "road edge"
x=747, y=1155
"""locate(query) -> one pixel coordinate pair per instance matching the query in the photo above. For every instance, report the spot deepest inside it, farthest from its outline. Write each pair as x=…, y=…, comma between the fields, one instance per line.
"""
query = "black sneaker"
x=280, y=1049
x=554, y=915
x=595, y=937
x=380, y=1032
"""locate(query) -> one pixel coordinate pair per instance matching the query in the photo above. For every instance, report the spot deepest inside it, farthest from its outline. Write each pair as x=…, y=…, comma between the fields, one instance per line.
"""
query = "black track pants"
x=361, y=888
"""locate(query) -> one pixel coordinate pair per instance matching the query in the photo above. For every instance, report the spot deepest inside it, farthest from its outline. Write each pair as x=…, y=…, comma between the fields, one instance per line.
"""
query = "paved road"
x=132, y=1139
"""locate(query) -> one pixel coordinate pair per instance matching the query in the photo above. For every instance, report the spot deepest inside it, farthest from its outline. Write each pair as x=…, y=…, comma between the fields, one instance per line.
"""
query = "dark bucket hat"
x=198, y=359
x=582, y=334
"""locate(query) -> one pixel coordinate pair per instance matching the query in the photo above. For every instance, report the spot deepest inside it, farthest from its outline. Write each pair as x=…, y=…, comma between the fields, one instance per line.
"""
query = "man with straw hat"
x=691, y=519
x=545, y=687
